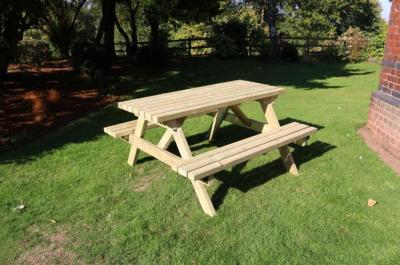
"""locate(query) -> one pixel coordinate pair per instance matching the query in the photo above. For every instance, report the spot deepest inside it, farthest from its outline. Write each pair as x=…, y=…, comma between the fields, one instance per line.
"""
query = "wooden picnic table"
x=170, y=110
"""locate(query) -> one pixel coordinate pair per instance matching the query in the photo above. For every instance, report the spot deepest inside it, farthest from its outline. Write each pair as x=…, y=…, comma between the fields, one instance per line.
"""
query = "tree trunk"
x=271, y=16
x=155, y=31
x=108, y=13
x=125, y=36
x=100, y=32
x=134, y=38
x=132, y=22
x=12, y=34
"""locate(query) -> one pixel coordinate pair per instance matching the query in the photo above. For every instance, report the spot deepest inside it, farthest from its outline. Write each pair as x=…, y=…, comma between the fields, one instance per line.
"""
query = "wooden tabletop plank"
x=191, y=95
x=212, y=106
x=198, y=100
x=198, y=97
x=206, y=98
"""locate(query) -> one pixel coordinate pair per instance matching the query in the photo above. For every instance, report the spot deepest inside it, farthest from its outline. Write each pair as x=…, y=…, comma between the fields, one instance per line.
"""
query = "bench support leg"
x=288, y=160
x=139, y=132
x=166, y=139
x=180, y=138
x=272, y=123
x=204, y=199
x=241, y=116
x=218, y=118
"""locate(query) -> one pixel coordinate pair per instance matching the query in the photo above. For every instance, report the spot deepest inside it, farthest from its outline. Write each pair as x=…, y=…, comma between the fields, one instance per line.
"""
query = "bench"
x=218, y=159
x=200, y=168
x=123, y=130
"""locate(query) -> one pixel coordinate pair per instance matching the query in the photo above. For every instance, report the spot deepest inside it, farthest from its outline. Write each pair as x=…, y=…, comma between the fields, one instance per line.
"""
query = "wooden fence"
x=201, y=47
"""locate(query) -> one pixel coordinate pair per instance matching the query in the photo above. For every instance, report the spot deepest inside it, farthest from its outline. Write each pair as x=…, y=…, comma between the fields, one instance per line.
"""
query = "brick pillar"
x=384, y=110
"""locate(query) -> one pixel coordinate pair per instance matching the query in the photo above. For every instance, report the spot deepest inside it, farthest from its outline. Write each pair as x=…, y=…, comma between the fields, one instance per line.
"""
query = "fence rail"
x=201, y=46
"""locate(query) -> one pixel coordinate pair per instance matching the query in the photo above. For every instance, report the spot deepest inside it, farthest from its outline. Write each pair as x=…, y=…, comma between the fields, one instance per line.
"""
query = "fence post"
x=190, y=46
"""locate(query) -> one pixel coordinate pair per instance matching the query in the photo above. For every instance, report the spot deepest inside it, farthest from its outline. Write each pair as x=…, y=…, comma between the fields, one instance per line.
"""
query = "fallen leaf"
x=20, y=207
x=371, y=202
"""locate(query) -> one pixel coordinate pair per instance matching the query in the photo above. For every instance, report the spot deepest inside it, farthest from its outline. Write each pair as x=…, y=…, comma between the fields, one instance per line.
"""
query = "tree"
x=16, y=16
x=107, y=24
x=131, y=8
x=271, y=10
x=59, y=22
x=158, y=12
x=329, y=17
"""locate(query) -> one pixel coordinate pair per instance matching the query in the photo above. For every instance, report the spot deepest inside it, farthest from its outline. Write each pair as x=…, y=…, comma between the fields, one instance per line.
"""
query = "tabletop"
x=199, y=100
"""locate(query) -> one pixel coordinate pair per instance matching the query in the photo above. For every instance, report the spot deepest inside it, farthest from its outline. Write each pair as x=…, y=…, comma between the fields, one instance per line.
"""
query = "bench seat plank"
x=218, y=159
x=124, y=129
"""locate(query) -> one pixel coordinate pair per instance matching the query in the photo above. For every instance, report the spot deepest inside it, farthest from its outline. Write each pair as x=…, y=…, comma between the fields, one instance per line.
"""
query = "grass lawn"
x=109, y=213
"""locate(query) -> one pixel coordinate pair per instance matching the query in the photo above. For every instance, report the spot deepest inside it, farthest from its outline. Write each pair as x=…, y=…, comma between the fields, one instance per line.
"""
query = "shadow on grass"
x=197, y=72
x=257, y=176
x=261, y=175
x=145, y=82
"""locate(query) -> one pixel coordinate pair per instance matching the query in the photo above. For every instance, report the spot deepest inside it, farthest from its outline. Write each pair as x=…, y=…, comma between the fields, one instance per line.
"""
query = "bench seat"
x=123, y=130
x=218, y=159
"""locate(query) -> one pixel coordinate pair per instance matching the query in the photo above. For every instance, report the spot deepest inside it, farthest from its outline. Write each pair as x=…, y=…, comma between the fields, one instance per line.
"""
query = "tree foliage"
x=58, y=21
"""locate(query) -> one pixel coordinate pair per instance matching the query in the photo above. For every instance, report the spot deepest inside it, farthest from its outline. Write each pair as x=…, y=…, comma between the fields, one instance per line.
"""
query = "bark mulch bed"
x=33, y=102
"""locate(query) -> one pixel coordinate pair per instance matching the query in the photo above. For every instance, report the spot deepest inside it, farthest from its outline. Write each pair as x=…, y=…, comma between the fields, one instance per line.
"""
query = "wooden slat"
x=195, y=93
x=204, y=199
x=238, y=147
x=196, y=97
x=248, y=154
x=256, y=140
x=155, y=151
x=239, y=113
x=209, y=98
x=174, y=93
x=140, y=130
x=218, y=118
x=125, y=128
x=210, y=106
x=253, y=124
x=169, y=106
x=182, y=95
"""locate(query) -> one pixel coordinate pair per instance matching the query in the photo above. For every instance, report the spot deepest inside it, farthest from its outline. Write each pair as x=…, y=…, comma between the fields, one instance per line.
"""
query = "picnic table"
x=222, y=101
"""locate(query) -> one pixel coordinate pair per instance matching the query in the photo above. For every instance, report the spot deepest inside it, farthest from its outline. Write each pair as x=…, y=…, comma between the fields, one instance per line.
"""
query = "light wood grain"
x=139, y=132
x=155, y=151
x=218, y=118
x=203, y=197
x=241, y=153
x=196, y=101
x=124, y=129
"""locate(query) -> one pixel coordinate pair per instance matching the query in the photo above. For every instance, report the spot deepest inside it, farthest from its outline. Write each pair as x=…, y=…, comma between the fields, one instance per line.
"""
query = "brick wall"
x=384, y=111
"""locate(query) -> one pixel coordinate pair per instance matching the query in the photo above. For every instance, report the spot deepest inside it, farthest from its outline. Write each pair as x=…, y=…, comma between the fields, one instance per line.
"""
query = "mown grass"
x=109, y=213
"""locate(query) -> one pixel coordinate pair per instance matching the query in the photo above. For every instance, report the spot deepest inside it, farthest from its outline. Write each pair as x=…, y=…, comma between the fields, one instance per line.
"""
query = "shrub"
x=377, y=44
x=32, y=53
x=289, y=53
x=353, y=45
x=91, y=59
x=259, y=39
x=330, y=54
x=231, y=35
x=224, y=46
x=154, y=55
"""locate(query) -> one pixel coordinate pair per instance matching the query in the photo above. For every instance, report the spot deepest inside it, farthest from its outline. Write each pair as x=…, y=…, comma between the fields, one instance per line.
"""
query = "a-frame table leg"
x=218, y=119
x=199, y=187
x=166, y=139
x=203, y=197
x=139, y=132
x=273, y=122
